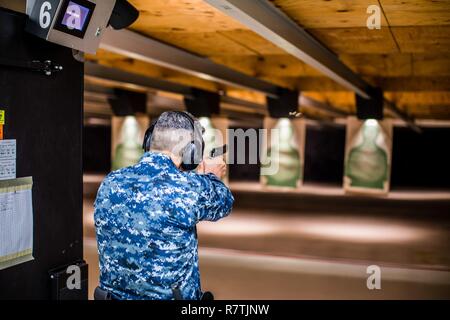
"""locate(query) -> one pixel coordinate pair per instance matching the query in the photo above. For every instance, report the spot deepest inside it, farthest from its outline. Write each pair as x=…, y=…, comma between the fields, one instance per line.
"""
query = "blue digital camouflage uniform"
x=145, y=217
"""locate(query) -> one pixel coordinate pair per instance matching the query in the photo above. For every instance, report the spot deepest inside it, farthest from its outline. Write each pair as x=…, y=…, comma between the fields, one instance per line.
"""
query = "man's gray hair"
x=172, y=133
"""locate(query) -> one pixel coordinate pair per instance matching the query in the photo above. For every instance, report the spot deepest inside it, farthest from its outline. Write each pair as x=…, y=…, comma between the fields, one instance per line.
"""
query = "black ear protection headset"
x=192, y=153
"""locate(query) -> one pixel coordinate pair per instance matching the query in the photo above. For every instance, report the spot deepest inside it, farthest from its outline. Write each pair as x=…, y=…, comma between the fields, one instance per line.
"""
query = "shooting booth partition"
x=44, y=114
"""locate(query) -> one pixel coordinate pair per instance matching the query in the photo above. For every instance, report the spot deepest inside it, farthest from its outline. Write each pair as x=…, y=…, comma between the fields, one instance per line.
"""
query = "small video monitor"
x=74, y=17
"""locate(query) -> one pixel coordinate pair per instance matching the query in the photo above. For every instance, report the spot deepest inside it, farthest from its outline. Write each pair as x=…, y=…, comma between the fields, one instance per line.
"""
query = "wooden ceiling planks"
x=395, y=84
x=253, y=42
x=328, y=14
x=356, y=40
x=341, y=100
x=371, y=65
x=418, y=104
x=410, y=54
x=147, y=69
x=180, y=16
x=247, y=95
x=399, y=65
x=420, y=98
x=197, y=27
x=394, y=65
x=281, y=65
x=315, y=114
x=430, y=64
x=418, y=84
x=429, y=39
x=203, y=43
x=423, y=104
x=401, y=13
x=380, y=65
x=118, y=61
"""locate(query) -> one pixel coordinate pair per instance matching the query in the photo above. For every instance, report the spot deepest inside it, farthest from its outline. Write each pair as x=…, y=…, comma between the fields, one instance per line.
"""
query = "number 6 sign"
x=77, y=24
x=42, y=16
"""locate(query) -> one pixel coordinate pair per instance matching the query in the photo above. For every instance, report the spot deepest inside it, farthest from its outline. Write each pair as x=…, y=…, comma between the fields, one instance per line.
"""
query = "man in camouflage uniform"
x=145, y=218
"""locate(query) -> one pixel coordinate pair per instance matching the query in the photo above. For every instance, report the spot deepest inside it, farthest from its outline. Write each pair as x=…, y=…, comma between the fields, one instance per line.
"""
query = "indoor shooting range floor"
x=318, y=246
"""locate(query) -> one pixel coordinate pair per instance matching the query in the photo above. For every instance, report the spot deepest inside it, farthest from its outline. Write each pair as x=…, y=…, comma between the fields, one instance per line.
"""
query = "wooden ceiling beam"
x=273, y=25
x=418, y=84
x=140, y=47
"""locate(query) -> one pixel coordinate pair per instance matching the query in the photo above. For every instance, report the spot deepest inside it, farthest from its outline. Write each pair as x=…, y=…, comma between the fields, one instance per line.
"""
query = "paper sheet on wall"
x=7, y=159
x=16, y=221
x=8, y=149
x=7, y=169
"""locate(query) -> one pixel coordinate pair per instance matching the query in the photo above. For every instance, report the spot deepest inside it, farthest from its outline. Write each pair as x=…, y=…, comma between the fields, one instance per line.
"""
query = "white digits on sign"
x=74, y=21
x=44, y=15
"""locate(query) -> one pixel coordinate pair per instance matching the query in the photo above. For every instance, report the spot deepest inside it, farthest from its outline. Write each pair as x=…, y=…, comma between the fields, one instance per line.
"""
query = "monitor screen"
x=74, y=17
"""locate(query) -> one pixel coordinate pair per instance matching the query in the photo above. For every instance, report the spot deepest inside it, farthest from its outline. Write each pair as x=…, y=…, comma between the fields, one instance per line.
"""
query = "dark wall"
x=324, y=157
x=324, y=154
x=44, y=114
x=247, y=171
x=421, y=161
x=97, y=149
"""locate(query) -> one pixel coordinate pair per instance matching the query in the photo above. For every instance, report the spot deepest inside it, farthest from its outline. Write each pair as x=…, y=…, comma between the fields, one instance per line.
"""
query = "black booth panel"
x=324, y=157
x=324, y=154
x=44, y=114
x=246, y=171
x=420, y=160
x=97, y=149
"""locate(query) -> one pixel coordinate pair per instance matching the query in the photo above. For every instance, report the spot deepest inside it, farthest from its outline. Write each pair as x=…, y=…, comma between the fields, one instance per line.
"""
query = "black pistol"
x=216, y=152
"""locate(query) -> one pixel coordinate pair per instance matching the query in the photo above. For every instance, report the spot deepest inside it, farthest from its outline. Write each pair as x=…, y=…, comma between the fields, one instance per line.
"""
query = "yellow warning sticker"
x=2, y=117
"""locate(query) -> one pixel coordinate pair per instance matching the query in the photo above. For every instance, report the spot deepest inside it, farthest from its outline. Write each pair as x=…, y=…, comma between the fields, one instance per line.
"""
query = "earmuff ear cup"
x=188, y=157
x=147, y=139
x=201, y=151
x=148, y=136
x=192, y=155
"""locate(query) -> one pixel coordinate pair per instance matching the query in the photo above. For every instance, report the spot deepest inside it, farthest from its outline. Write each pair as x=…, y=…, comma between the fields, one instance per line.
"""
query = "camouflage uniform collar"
x=156, y=157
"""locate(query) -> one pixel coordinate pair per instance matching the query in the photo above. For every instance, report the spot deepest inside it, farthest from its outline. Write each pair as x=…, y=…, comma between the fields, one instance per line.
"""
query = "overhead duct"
x=125, y=103
x=284, y=105
x=370, y=109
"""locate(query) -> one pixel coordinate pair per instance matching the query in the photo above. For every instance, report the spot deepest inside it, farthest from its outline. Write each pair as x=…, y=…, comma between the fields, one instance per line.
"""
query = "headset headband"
x=149, y=132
